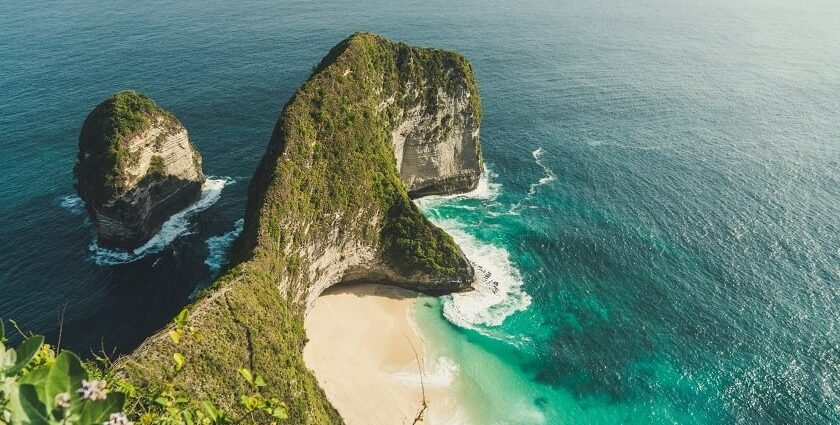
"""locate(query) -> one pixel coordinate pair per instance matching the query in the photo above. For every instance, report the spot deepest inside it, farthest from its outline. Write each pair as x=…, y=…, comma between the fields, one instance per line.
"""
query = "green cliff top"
x=330, y=153
x=327, y=184
x=103, y=155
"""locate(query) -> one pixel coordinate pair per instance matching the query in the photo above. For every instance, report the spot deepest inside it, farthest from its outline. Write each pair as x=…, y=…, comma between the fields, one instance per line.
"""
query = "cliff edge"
x=329, y=203
x=136, y=167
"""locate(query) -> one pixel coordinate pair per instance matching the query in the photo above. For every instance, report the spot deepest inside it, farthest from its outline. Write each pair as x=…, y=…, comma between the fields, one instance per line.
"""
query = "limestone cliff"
x=329, y=204
x=136, y=167
x=435, y=126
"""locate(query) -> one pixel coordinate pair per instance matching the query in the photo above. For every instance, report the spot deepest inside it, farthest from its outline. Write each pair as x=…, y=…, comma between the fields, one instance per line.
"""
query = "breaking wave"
x=441, y=375
x=219, y=246
x=177, y=225
x=548, y=177
x=487, y=190
x=72, y=203
x=498, y=286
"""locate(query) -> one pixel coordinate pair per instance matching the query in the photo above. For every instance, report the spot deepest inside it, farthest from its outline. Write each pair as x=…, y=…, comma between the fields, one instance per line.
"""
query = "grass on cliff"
x=241, y=324
x=328, y=178
x=337, y=158
x=103, y=151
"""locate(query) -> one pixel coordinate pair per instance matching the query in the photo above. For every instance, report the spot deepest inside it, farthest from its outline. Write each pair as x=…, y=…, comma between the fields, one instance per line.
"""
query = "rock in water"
x=136, y=167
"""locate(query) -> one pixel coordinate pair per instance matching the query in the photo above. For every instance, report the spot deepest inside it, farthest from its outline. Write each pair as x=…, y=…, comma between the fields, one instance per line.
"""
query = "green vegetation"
x=337, y=159
x=237, y=325
x=103, y=137
x=42, y=388
x=39, y=388
x=157, y=166
x=328, y=181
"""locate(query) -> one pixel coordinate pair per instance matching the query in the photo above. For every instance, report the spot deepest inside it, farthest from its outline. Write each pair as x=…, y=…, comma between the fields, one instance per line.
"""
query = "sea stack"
x=136, y=167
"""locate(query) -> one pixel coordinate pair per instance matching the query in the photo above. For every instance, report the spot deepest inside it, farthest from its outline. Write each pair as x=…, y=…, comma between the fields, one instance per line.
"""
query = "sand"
x=360, y=349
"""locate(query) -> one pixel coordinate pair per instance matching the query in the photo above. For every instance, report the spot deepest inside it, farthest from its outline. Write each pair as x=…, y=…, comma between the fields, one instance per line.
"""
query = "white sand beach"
x=360, y=349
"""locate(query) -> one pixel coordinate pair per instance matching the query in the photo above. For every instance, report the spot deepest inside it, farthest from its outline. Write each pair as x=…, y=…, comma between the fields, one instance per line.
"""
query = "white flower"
x=118, y=419
x=62, y=400
x=93, y=390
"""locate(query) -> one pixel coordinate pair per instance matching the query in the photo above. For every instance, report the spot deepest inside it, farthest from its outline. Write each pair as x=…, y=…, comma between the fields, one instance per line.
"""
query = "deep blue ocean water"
x=661, y=218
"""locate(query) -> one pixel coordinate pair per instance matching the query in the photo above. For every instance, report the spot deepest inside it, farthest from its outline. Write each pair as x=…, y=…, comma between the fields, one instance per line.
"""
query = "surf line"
x=177, y=226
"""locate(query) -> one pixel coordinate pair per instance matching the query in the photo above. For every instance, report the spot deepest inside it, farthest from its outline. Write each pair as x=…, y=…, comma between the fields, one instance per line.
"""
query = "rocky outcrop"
x=377, y=122
x=328, y=204
x=136, y=167
x=436, y=137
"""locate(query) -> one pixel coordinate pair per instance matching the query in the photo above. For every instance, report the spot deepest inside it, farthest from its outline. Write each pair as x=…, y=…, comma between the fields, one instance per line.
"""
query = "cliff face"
x=435, y=135
x=329, y=204
x=136, y=167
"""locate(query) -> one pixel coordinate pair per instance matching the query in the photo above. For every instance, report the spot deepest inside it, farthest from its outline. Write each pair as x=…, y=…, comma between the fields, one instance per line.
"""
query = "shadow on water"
x=111, y=307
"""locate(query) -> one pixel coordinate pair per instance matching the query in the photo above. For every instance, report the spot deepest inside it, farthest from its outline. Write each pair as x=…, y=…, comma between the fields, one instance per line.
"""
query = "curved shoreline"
x=361, y=346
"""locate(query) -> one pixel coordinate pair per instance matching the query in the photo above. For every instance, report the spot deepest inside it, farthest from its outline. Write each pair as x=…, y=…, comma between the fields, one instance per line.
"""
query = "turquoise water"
x=661, y=219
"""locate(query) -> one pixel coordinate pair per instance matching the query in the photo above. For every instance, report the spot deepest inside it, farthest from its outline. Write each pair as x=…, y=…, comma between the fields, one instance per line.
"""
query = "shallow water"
x=661, y=218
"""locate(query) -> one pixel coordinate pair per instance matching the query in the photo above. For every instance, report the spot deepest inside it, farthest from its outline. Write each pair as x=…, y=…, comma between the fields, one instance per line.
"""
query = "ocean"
x=659, y=225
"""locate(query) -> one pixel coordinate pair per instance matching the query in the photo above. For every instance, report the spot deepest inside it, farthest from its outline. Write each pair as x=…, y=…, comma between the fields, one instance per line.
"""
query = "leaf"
x=259, y=382
x=181, y=318
x=211, y=410
x=26, y=407
x=37, y=378
x=180, y=361
x=280, y=412
x=188, y=417
x=247, y=375
x=98, y=411
x=8, y=358
x=25, y=353
x=176, y=336
x=65, y=376
x=2, y=329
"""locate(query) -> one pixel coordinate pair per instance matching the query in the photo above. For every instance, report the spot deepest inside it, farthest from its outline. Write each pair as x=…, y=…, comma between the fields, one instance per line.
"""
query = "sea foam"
x=548, y=177
x=441, y=374
x=218, y=247
x=177, y=225
x=486, y=190
x=72, y=203
x=498, y=285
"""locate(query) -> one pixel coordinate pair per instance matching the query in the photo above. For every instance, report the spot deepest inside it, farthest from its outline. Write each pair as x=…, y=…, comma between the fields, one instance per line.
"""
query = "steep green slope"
x=326, y=205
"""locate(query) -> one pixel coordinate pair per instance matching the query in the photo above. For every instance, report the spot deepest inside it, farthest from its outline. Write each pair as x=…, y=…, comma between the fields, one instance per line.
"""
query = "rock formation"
x=329, y=203
x=136, y=167
x=435, y=136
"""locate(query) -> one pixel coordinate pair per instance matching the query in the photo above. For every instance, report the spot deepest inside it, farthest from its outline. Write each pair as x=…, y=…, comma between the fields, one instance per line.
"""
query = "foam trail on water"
x=176, y=226
x=549, y=174
x=72, y=203
x=218, y=247
x=548, y=177
x=498, y=287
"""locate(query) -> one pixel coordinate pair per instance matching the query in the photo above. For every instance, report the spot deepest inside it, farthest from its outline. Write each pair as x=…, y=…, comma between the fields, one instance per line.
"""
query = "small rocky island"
x=136, y=167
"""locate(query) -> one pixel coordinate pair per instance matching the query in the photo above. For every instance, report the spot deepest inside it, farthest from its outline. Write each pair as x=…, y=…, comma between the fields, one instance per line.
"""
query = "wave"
x=441, y=375
x=498, y=287
x=72, y=203
x=548, y=177
x=549, y=174
x=177, y=225
x=218, y=247
x=486, y=190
